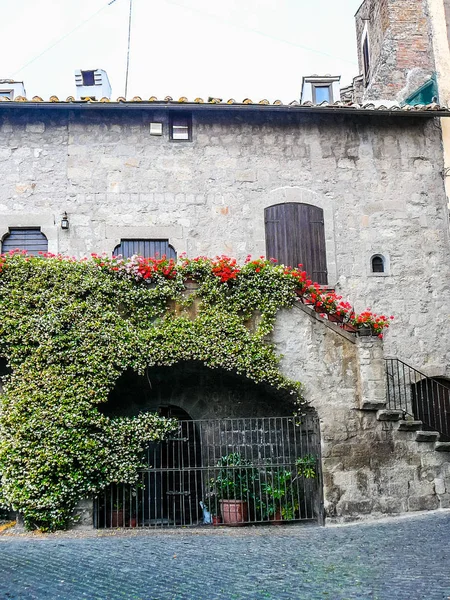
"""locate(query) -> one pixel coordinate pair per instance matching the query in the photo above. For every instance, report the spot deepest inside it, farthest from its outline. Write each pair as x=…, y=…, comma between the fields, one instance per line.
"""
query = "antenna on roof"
x=129, y=43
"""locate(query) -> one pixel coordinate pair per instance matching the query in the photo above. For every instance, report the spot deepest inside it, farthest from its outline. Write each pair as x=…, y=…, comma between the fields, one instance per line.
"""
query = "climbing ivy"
x=69, y=328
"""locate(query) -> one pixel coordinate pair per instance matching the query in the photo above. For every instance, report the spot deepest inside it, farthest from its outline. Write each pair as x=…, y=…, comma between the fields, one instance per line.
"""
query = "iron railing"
x=230, y=472
x=423, y=398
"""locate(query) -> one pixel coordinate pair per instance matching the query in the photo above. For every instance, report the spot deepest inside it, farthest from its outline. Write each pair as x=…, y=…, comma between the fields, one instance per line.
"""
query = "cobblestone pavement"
x=402, y=559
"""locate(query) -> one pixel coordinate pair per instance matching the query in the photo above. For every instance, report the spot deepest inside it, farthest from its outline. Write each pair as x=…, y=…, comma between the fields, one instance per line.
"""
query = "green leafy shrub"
x=69, y=329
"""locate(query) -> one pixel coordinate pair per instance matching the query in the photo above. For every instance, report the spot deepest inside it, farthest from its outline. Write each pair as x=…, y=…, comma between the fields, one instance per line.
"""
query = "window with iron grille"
x=146, y=248
x=180, y=128
x=30, y=239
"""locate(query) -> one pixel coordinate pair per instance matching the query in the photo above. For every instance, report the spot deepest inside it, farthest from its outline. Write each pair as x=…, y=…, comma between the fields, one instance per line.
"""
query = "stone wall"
x=400, y=46
x=369, y=467
x=377, y=179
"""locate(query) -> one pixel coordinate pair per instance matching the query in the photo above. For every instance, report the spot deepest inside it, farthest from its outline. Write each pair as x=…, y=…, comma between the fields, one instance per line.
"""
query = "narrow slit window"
x=181, y=128
x=377, y=264
x=366, y=59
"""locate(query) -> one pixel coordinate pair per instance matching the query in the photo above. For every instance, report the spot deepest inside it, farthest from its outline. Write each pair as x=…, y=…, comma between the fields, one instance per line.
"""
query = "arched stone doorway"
x=237, y=445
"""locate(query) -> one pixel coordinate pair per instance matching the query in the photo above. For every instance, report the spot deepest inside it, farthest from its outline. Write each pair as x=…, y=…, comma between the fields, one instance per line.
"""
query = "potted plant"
x=117, y=514
x=279, y=501
x=195, y=270
x=369, y=323
x=277, y=492
x=234, y=486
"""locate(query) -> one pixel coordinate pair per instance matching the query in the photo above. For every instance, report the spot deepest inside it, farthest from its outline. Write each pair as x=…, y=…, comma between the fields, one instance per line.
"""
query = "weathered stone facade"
x=400, y=47
x=370, y=467
x=378, y=179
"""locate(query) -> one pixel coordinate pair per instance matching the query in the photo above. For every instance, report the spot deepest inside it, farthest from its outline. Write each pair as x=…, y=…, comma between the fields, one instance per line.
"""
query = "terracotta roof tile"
x=339, y=106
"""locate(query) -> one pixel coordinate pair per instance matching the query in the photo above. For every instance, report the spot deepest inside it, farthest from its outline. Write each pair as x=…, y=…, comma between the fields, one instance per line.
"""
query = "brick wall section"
x=401, y=53
x=447, y=17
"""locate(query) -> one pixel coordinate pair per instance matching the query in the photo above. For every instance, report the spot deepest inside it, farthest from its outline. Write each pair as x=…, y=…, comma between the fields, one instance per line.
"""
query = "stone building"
x=404, y=56
x=204, y=178
x=354, y=191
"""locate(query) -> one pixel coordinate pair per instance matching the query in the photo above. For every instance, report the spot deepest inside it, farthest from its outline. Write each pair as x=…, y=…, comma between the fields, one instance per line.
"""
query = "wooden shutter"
x=30, y=239
x=147, y=248
x=295, y=233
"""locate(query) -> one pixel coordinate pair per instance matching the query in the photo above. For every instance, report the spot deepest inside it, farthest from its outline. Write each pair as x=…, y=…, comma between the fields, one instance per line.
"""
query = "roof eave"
x=194, y=106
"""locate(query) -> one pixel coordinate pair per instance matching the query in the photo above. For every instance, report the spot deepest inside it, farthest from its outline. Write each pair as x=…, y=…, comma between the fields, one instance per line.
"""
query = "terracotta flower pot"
x=277, y=518
x=234, y=512
x=216, y=520
x=133, y=522
x=349, y=327
x=365, y=331
x=335, y=318
x=117, y=518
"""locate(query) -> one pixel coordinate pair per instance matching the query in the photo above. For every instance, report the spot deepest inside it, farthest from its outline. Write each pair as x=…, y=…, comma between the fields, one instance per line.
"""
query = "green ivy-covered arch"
x=68, y=329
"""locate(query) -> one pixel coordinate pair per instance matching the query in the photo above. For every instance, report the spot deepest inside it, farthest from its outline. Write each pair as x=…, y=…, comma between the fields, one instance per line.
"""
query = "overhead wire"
x=192, y=9
x=258, y=32
x=59, y=40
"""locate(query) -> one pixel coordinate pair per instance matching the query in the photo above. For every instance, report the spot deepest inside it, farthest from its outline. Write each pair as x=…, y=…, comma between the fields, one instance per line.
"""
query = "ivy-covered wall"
x=69, y=329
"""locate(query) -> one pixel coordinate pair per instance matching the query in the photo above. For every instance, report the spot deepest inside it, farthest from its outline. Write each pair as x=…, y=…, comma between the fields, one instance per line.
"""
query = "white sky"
x=228, y=48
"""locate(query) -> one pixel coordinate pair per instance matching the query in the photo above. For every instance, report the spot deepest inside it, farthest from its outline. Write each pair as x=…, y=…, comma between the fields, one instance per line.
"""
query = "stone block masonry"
x=377, y=179
x=371, y=467
x=379, y=182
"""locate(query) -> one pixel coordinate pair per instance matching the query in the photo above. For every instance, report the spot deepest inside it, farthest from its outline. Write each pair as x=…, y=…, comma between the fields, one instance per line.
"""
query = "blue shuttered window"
x=146, y=248
x=30, y=239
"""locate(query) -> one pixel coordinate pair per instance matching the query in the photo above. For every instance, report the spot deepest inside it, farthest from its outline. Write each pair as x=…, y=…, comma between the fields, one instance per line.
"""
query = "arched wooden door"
x=295, y=234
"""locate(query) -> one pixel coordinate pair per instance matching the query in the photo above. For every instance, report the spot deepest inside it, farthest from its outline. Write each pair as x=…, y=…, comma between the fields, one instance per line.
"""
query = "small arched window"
x=377, y=264
x=30, y=239
x=145, y=248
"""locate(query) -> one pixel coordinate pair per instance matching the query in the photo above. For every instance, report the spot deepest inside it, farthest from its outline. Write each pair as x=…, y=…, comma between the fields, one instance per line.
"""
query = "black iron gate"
x=230, y=472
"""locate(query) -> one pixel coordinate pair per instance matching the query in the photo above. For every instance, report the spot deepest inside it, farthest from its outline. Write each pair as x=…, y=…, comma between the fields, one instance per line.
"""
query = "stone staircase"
x=408, y=424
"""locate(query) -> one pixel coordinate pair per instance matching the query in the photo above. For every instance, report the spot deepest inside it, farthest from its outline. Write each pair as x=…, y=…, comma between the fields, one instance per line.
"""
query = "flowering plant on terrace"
x=331, y=303
x=137, y=267
x=377, y=323
x=225, y=268
x=197, y=268
x=300, y=278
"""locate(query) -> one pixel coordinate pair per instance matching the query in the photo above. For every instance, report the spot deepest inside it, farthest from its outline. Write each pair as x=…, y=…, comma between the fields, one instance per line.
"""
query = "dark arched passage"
x=237, y=444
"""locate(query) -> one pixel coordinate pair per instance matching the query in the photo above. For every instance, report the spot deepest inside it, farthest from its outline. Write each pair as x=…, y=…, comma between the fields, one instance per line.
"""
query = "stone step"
x=389, y=414
x=427, y=436
x=442, y=446
x=374, y=406
x=410, y=425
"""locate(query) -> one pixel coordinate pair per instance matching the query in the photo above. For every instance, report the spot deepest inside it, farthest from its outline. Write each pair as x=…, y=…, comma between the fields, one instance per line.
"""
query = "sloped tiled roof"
x=183, y=102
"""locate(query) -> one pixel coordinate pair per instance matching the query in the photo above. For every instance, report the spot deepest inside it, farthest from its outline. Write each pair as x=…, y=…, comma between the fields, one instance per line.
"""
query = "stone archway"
x=202, y=392
x=235, y=441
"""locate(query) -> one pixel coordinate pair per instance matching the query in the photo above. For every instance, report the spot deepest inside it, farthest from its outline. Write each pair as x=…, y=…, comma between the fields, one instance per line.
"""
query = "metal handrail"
x=418, y=396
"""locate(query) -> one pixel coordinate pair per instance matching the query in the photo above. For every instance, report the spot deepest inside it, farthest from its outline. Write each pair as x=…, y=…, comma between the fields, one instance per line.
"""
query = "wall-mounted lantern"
x=65, y=221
